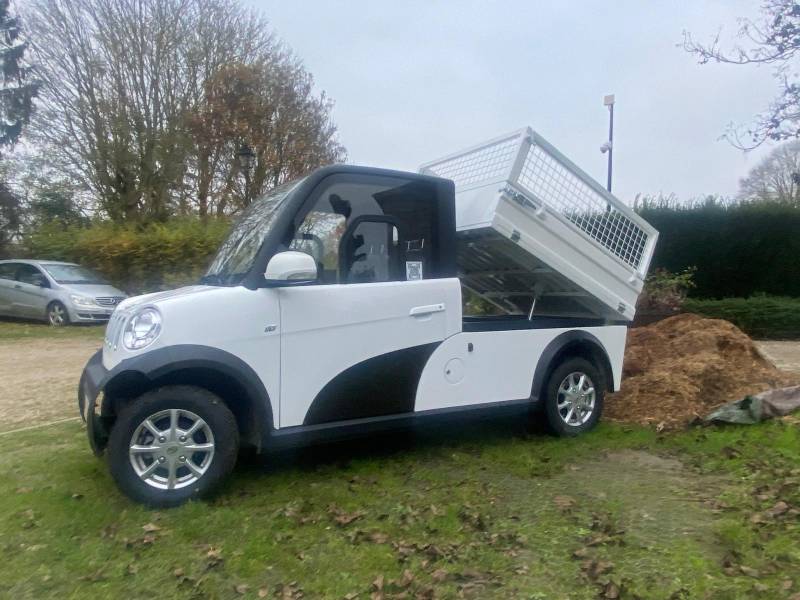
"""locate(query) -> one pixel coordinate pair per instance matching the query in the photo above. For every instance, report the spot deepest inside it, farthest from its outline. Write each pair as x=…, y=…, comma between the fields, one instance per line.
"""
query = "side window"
x=29, y=274
x=8, y=270
x=369, y=229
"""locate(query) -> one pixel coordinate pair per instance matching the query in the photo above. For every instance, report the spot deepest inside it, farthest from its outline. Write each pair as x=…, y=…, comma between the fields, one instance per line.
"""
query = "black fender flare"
x=134, y=376
x=561, y=345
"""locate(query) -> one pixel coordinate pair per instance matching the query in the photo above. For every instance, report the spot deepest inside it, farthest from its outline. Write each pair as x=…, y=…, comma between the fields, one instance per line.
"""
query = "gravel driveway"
x=784, y=355
x=39, y=379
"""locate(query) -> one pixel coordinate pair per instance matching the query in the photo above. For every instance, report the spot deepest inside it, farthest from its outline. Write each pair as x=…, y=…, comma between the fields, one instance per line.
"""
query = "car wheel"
x=574, y=397
x=172, y=444
x=57, y=314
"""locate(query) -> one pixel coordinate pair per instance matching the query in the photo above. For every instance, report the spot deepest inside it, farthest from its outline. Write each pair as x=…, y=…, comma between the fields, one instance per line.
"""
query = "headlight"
x=81, y=300
x=142, y=329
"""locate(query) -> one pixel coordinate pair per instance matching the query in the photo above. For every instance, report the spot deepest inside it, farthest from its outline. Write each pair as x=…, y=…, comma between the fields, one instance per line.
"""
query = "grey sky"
x=415, y=80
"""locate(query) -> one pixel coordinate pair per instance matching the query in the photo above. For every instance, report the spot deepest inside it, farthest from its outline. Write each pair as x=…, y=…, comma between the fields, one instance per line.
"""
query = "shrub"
x=764, y=317
x=138, y=259
x=666, y=292
x=739, y=250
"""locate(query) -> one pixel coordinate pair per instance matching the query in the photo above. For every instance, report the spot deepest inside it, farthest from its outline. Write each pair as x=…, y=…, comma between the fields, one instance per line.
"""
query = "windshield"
x=237, y=253
x=73, y=274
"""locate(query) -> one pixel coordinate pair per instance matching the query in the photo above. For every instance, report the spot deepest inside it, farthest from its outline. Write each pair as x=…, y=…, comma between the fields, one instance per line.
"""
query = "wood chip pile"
x=681, y=368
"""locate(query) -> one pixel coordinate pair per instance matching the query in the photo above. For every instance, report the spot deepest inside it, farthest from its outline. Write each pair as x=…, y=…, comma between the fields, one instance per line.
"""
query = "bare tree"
x=269, y=106
x=772, y=40
x=776, y=178
x=122, y=80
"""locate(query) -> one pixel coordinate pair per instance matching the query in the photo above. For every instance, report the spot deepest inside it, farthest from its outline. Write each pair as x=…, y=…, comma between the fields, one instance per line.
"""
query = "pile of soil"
x=683, y=367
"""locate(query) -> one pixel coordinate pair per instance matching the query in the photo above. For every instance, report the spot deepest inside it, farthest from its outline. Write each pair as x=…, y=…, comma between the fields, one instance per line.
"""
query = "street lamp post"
x=246, y=158
x=609, y=145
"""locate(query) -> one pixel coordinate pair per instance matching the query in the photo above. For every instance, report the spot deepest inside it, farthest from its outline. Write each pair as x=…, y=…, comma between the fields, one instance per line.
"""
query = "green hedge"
x=764, y=317
x=739, y=250
x=137, y=259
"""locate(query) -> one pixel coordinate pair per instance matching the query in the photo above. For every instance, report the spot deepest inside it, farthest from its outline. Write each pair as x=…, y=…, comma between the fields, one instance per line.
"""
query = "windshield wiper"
x=212, y=279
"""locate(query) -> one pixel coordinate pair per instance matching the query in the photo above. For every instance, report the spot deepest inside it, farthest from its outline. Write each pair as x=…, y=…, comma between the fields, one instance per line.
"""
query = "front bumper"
x=93, y=379
x=89, y=314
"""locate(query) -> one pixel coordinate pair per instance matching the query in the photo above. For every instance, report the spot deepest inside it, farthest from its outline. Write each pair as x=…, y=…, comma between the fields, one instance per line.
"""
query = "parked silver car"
x=58, y=292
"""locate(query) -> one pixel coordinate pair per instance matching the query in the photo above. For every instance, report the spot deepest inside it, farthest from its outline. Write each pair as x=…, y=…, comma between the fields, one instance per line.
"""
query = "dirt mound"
x=683, y=367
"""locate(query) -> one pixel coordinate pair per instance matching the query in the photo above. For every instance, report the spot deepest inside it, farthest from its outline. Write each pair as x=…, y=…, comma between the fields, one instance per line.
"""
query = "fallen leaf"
x=750, y=572
x=407, y=579
x=342, y=518
x=779, y=509
x=241, y=589
x=610, y=591
x=151, y=528
x=213, y=558
x=439, y=575
x=263, y=592
x=594, y=568
x=378, y=583
x=564, y=503
x=580, y=553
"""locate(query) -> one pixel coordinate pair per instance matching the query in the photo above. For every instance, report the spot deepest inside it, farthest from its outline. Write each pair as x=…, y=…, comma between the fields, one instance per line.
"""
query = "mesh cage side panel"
x=564, y=192
x=483, y=164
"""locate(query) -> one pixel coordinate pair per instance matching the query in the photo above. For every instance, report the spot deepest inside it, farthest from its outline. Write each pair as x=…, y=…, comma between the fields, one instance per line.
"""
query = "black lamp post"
x=247, y=159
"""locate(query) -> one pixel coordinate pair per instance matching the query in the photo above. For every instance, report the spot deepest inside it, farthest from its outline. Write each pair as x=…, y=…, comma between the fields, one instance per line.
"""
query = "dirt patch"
x=39, y=379
x=681, y=368
x=671, y=502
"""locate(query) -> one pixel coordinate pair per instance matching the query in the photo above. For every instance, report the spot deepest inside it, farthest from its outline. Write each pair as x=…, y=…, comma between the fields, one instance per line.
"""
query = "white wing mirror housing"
x=290, y=268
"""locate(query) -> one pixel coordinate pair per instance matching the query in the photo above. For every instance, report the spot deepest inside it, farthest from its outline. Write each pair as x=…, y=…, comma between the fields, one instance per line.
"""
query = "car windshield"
x=237, y=253
x=73, y=274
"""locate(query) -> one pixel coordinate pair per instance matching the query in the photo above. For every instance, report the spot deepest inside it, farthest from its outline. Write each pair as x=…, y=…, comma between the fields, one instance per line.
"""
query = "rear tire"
x=573, y=400
x=171, y=445
x=57, y=314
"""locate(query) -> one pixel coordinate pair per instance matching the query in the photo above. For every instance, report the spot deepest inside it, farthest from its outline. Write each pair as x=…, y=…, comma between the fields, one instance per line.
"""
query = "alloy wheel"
x=171, y=449
x=576, y=399
x=57, y=315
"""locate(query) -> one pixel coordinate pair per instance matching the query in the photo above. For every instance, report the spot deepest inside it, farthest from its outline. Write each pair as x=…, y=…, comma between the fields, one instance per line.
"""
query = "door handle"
x=422, y=311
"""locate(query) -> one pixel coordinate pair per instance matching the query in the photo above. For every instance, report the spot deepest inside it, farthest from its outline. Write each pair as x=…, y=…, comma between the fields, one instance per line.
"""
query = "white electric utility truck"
x=335, y=307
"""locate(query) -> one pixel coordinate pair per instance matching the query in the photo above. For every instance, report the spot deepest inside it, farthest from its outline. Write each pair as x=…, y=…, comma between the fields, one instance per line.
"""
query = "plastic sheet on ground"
x=759, y=407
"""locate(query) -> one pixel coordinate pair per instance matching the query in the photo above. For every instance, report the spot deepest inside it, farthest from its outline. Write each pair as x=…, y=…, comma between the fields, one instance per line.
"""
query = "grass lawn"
x=478, y=512
x=17, y=329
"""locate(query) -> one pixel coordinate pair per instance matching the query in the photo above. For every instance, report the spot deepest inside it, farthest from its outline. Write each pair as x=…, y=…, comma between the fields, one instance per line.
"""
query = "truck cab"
x=333, y=308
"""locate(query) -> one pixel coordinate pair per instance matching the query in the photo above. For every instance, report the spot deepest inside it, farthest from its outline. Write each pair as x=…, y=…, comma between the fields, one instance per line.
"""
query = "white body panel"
x=329, y=328
x=298, y=339
x=500, y=367
x=233, y=319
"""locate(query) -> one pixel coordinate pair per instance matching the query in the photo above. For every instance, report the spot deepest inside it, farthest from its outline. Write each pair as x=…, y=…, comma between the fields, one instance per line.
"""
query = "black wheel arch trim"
x=134, y=376
x=561, y=346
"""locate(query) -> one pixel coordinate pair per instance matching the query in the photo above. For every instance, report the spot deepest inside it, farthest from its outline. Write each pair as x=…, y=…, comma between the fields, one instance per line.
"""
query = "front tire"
x=57, y=314
x=172, y=444
x=574, y=396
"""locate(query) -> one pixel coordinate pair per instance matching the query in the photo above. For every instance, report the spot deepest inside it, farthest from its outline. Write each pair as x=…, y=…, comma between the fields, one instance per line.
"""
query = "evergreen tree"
x=19, y=85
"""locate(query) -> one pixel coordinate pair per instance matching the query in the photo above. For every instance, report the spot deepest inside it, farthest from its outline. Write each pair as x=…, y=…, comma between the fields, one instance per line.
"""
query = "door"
x=354, y=344
x=8, y=273
x=29, y=292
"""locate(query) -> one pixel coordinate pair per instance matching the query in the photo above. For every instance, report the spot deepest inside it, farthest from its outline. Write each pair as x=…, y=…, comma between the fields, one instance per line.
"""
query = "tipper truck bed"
x=335, y=308
x=537, y=235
